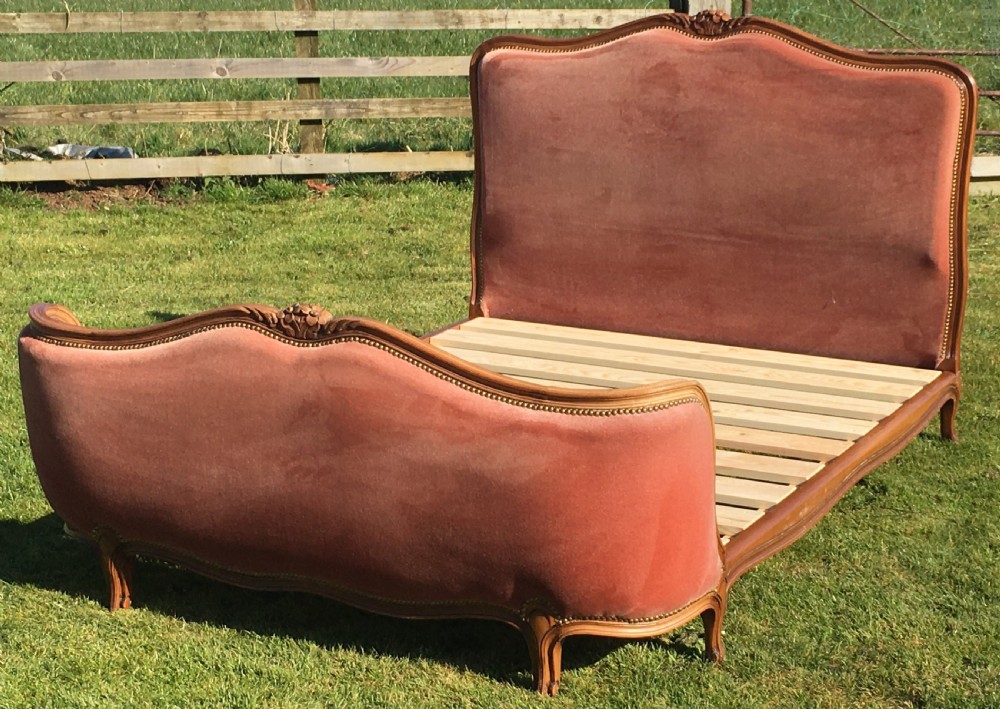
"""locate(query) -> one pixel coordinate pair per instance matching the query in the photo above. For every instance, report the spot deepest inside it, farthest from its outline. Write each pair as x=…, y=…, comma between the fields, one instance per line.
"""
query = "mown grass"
x=932, y=23
x=890, y=601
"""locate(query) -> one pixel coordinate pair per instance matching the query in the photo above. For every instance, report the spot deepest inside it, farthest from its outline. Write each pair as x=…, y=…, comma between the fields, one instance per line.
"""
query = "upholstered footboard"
x=291, y=450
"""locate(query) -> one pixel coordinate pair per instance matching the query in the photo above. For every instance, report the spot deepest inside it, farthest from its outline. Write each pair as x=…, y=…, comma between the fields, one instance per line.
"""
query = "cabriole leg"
x=948, y=414
x=715, y=651
x=545, y=648
x=117, y=570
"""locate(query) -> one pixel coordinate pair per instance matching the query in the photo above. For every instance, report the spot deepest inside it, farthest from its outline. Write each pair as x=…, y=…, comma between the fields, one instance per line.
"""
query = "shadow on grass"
x=39, y=554
x=161, y=316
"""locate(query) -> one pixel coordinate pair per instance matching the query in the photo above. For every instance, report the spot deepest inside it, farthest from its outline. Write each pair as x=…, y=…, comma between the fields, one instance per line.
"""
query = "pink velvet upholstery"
x=740, y=190
x=350, y=465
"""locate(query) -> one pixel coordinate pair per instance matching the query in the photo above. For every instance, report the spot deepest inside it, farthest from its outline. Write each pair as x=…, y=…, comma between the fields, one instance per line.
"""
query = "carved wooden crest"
x=707, y=23
x=302, y=322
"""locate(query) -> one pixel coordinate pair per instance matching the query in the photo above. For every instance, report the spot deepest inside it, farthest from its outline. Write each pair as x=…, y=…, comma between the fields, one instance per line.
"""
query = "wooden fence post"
x=696, y=6
x=312, y=138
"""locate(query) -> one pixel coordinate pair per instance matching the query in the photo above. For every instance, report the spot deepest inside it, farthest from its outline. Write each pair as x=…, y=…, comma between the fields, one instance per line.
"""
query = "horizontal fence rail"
x=316, y=21
x=213, y=111
x=248, y=165
x=267, y=68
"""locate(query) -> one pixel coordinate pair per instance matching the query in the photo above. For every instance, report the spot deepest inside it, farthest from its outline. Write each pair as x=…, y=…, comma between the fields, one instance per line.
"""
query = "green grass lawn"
x=890, y=601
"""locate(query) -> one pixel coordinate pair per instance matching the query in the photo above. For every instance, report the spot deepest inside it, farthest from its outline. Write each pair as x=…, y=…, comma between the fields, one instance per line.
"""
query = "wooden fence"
x=307, y=68
x=308, y=107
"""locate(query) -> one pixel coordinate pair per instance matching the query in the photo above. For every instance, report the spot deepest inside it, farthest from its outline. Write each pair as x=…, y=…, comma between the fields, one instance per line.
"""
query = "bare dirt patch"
x=99, y=197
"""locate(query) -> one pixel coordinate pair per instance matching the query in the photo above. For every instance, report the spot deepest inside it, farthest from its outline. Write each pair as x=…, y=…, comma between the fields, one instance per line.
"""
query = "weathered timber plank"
x=249, y=68
x=211, y=111
x=985, y=175
x=215, y=165
x=285, y=21
x=311, y=133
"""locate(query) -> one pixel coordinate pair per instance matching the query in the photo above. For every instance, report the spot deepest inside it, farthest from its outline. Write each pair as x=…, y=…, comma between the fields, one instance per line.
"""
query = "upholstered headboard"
x=731, y=181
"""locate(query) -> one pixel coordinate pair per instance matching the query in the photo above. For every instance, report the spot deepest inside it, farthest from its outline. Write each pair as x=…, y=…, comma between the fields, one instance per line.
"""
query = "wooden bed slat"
x=678, y=366
x=722, y=353
x=791, y=445
x=552, y=373
x=764, y=467
x=733, y=520
x=790, y=421
x=733, y=414
x=749, y=493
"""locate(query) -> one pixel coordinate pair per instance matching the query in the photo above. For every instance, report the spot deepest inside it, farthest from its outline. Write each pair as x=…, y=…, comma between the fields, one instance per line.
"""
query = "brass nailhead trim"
x=365, y=340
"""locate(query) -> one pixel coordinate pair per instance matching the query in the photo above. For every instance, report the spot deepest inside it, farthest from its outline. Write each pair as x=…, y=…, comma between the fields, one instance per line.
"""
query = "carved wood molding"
x=299, y=321
x=707, y=23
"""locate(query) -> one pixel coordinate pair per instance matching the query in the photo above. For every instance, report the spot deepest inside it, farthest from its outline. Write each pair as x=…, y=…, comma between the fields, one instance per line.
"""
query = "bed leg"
x=948, y=414
x=545, y=648
x=712, y=617
x=117, y=570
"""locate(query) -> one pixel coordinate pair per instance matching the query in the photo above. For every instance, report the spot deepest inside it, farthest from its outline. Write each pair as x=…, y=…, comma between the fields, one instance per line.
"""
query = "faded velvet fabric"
x=349, y=465
x=741, y=191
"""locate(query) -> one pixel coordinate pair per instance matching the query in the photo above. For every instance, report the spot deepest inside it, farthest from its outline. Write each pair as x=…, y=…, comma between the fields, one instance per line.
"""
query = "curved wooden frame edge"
x=57, y=324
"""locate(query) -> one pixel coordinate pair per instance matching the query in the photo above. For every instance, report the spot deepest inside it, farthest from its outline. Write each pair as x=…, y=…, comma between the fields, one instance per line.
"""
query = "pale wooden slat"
x=572, y=374
x=764, y=467
x=749, y=493
x=741, y=437
x=208, y=111
x=555, y=383
x=791, y=445
x=758, y=417
x=265, y=21
x=722, y=353
x=791, y=421
x=224, y=68
x=679, y=366
x=733, y=520
x=215, y=165
x=792, y=400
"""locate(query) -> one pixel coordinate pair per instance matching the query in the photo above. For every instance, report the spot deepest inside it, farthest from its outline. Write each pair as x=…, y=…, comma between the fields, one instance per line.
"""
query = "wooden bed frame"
x=682, y=350
x=788, y=427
